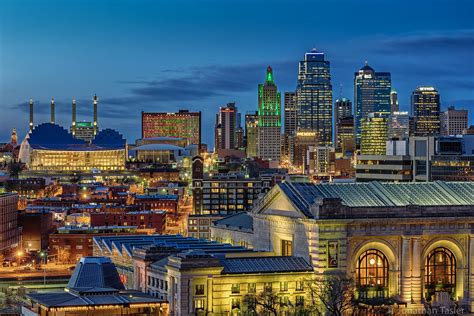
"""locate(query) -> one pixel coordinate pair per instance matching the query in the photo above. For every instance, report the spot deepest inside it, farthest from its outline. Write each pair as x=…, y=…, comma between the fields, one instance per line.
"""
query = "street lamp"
x=44, y=255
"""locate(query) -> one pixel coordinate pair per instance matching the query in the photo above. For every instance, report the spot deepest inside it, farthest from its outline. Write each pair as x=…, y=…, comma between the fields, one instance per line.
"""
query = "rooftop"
x=265, y=264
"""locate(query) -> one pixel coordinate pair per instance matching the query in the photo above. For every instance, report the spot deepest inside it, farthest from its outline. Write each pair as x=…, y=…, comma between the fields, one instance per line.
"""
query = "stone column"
x=416, y=280
x=470, y=263
x=406, y=270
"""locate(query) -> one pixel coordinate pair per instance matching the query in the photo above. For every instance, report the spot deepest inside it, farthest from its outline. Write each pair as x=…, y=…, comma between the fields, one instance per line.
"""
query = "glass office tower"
x=314, y=97
x=371, y=94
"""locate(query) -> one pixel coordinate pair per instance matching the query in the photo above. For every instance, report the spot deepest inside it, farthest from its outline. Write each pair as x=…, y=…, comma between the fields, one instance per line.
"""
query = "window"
x=235, y=303
x=235, y=288
x=299, y=286
x=372, y=274
x=299, y=300
x=199, y=289
x=286, y=248
x=284, y=301
x=284, y=286
x=268, y=287
x=440, y=272
x=199, y=304
x=252, y=287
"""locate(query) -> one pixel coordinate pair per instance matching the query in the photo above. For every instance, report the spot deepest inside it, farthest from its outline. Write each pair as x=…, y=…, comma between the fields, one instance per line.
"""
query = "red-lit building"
x=183, y=124
x=36, y=228
x=143, y=219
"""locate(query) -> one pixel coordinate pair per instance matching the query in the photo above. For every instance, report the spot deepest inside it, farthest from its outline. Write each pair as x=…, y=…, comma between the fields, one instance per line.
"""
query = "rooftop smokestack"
x=95, y=114
x=73, y=128
x=31, y=114
x=52, y=110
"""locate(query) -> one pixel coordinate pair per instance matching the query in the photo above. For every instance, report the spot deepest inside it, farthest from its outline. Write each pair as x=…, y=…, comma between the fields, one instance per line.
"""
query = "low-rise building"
x=155, y=220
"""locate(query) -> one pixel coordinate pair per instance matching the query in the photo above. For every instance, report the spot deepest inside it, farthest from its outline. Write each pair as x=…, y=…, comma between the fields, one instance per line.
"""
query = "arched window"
x=440, y=272
x=372, y=274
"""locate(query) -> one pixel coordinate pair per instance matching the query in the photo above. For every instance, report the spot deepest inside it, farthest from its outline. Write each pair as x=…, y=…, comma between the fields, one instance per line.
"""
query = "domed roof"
x=367, y=67
x=109, y=138
x=52, y=136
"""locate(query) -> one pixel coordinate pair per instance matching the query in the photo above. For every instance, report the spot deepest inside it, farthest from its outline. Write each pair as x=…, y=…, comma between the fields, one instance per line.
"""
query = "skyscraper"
x=269, y=119
x=374, y=133
x=314, y=96
x=342, y=111
x=290, y=122
x=425, y=107
x=251, y=125
x=394, y=101
x=399, y=125
x=226, y=127
x=453, y=122
x=371, y=94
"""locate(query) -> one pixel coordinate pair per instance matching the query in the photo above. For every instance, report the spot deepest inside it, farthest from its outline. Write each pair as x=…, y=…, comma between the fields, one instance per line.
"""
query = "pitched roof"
x=238, y=221
x=265, y=265
x=379, y=194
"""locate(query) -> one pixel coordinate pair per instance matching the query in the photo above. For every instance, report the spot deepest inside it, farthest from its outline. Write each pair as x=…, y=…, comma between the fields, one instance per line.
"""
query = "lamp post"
x=44, y=255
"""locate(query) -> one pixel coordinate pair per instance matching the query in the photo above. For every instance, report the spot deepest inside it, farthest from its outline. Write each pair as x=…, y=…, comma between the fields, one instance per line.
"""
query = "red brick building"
x=156, y=202
x=70, y=243
x=142, y=219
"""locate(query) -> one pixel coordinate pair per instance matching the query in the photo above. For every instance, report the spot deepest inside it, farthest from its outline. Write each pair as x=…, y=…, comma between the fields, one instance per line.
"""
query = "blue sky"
x=140, y=55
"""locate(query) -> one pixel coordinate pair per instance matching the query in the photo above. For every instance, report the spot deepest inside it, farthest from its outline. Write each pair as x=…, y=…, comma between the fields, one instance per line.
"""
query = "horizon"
x=135, y=56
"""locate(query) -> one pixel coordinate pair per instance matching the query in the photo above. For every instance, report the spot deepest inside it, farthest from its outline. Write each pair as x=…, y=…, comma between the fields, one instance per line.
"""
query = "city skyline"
x=144, y=67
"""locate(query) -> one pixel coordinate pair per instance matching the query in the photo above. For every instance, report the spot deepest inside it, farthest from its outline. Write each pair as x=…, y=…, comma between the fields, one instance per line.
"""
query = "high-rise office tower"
x=52, y=111
x=399, y=127
x=345, y=141
x=453, y=122
x=31, y=115
x=371, y=94
x=225, y=128
x=290, y=122
x=374, y=133
x=251, y=126
x=425, y=107
x=314, y=97
x=269, y=119
x=394, y=107
x=342, y=111
x=182, y=124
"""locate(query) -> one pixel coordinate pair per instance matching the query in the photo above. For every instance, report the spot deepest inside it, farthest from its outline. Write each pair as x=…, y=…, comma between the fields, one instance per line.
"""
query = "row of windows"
x=236, y=288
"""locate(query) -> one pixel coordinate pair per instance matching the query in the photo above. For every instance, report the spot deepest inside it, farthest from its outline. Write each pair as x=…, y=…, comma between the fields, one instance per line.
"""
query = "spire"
x=269, y=74
x=73, y=127
x=95, y=114
x=31, y=114
x=52, y=111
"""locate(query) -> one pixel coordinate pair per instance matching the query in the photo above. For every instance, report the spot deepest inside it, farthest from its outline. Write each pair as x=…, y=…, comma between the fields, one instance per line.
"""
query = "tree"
x=14, y=169
x=63, y=255
x=334, y=292
x=266, y=302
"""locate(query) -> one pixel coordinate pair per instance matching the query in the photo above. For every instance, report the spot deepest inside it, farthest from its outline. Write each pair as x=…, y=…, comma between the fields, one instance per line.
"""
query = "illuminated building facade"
x=199, y=283
x=50, y=148
x=269, y=119
x=394, y=107
x=251, y=133
x=314, y=97
x=425, y=108
x=371, y=94
x=183, y=124
x=226, y=128
x=399, y=127
x=374, y=133
x=342, y=115
x=290, y=123
x=94, y=289
x=453, y=121
x=9, y=231
x=345, y=140
x=303, y=140
x=411, y=241
x=84, y=131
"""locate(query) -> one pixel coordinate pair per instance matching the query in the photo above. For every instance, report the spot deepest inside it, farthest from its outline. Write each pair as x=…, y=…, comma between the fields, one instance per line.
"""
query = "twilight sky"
x=140, y=55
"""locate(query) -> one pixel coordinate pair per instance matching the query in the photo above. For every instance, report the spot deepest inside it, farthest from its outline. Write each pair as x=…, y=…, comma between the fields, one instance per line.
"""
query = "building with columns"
x=412, y=243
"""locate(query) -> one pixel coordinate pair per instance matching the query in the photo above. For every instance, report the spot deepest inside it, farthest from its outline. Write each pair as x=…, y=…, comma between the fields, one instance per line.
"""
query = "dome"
x=367, y=68
x=109, y=138
x=52, y=136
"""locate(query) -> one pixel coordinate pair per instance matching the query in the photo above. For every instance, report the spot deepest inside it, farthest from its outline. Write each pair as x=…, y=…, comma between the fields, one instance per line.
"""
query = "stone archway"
x=390, y=254
x=451, y=247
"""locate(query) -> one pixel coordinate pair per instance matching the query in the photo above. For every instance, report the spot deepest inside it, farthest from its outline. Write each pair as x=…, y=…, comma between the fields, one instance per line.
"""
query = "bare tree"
x=334, y=292
x=265, y=302
x=63, y=255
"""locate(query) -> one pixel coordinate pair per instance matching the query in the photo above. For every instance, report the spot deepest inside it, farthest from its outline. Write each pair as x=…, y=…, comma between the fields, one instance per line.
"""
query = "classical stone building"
x=410, y=242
